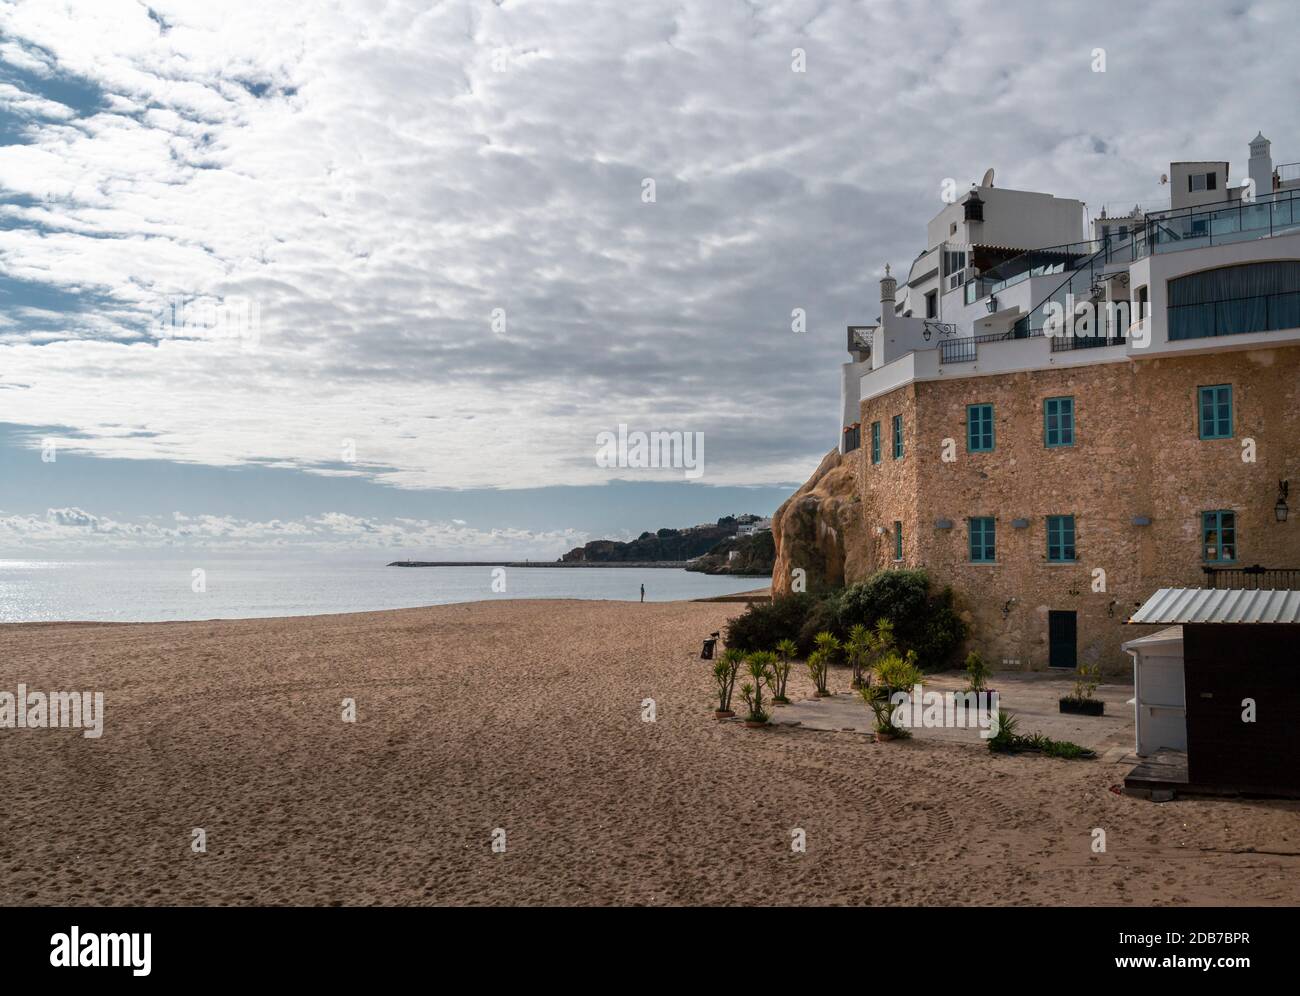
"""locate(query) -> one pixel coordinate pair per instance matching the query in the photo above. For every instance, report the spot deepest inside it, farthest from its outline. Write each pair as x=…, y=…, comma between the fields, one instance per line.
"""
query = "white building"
x=1002, y=267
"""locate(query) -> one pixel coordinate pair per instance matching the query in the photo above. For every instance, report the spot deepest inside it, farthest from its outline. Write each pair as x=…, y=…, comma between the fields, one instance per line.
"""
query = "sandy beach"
x=527, y=716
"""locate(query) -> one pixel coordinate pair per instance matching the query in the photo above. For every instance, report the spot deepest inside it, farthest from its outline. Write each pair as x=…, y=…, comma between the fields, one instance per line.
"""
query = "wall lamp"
x=1280, y=509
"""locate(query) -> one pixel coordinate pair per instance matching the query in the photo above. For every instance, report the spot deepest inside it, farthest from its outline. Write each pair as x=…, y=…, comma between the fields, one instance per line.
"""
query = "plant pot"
x=780, y=700
x=1082, y=707
x=723, y=713
x=884, y=738
x=824, y=695
x=755, y=724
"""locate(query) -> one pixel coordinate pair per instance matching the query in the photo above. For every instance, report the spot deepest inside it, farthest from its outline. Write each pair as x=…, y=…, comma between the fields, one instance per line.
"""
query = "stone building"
x=1082, y=424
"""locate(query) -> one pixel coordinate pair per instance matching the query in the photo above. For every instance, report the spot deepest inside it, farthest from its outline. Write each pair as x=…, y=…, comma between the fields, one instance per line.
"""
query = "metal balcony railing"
x=1254, y=577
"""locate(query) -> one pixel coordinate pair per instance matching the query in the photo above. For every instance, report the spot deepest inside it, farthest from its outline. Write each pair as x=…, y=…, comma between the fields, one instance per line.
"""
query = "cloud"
x=72, y=529
x=380, y=181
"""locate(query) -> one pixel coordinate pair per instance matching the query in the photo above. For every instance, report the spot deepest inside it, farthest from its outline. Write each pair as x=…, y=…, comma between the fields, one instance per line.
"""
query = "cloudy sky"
x=376, y=274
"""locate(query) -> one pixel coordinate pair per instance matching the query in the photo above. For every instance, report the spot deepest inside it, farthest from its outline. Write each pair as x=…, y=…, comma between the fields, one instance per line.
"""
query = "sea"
x=162, y=591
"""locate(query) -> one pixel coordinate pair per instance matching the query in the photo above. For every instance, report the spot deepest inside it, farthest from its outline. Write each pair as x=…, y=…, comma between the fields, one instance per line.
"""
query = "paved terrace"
x=1030, y=696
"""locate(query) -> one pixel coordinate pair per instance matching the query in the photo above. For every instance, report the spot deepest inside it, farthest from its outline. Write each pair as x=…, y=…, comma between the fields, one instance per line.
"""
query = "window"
x=932, y=304
x=875, y=442
x=1219, y=535
x=983, y=540
x=898, y=540
x=1143, y=305
x=1060, y=538
x=979, y=428
x=1201, y=181
x=1215, y=411
x=852, y=437
x=1058, y=422
x=1232, y=300
x=898, y=437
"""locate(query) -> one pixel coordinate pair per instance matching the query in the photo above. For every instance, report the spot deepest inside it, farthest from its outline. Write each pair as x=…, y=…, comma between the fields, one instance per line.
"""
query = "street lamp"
x=1279, y=507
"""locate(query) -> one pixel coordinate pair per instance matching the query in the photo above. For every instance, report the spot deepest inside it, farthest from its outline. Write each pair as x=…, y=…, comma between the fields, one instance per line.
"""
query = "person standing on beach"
x=643, y=593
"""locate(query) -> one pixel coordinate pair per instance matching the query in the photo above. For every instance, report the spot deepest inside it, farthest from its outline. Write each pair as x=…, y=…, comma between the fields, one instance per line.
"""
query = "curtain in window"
x=1253, y=297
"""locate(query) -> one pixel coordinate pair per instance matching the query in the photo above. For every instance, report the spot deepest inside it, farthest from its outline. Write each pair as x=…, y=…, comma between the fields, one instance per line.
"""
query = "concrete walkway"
x=1030, y=696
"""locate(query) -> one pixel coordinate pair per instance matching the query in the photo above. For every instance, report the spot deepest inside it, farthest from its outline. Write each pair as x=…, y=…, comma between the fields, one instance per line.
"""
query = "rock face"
x=821, y=528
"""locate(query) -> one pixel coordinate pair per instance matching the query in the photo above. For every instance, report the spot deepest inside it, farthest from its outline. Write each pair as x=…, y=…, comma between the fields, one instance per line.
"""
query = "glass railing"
x=1164, y=231
x=1194, y=228
x=1276, y=213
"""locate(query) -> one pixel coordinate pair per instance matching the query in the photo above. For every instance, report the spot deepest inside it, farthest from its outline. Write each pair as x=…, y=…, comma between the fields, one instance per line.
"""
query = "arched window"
x=1252, y=297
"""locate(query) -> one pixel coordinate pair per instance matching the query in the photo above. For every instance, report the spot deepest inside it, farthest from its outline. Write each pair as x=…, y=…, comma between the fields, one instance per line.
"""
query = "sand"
x=527, y=716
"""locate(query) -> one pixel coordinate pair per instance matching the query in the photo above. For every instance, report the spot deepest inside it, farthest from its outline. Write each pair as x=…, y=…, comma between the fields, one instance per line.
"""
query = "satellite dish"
x=988, y=178
x=1164, y=178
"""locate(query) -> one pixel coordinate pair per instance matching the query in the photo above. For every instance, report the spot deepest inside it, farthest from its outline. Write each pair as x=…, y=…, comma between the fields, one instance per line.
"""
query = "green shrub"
x=922, y=622
x=823, y=616
x=1004, y=740
x=1007, y=741
x=765, y=624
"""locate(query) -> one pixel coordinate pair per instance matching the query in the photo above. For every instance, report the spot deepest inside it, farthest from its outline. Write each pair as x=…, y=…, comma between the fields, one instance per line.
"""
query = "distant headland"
x=735, y=544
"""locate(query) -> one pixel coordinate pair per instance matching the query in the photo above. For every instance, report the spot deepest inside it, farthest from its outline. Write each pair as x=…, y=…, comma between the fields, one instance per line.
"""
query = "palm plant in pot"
x=895, y=673
x=783, y=660
x=821, y=659
x=857, y=648
x=752, y=691
x=977, y=674
x=725, y=669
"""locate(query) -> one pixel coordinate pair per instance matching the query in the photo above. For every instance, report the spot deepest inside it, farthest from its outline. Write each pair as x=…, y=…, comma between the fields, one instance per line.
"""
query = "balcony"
x=1254, y=578
x=1195, y=228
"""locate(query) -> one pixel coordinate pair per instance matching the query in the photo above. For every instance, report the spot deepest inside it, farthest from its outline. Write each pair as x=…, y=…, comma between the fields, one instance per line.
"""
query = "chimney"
x=1260, y=168
x=888, y=287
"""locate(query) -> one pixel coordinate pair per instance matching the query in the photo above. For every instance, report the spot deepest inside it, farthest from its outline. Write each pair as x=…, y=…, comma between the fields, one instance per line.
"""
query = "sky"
x=373, y=277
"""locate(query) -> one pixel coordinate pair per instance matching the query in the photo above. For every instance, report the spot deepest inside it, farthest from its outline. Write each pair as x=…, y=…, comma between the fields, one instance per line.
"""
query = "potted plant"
x=895, y=672
x=857, y=648
x=1087, y=677
x=882, y=710
x=821, y=659
x=752, y=691
x=977, y=674
x=819, y=667
x=725, y=669
x=786, y=652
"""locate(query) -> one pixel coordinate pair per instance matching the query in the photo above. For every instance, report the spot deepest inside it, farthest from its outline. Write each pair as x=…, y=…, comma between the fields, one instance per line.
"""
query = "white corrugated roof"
x=1219, y=605
x=1168, y=635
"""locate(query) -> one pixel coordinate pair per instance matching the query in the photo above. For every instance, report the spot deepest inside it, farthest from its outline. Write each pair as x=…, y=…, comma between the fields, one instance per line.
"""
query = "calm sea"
x=155, y=591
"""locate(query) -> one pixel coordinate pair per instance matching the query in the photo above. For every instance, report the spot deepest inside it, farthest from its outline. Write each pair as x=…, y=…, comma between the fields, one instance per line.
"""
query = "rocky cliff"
x=821, y=528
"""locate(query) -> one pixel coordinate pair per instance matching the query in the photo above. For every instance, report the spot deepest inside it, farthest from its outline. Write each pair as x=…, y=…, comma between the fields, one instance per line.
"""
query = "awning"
x=1174, y=606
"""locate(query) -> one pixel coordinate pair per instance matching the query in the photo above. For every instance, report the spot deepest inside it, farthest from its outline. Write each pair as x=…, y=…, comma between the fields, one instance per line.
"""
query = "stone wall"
x=1137, y=452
